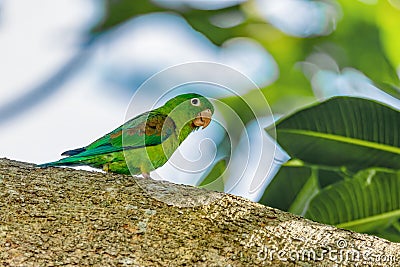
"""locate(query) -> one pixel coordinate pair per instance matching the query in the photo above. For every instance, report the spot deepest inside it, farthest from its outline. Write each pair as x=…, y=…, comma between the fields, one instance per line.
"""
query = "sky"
x=31, y=50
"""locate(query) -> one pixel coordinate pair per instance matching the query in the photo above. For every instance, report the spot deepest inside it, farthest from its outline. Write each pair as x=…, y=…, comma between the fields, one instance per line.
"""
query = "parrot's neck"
x=183, y=126
x=185, y=131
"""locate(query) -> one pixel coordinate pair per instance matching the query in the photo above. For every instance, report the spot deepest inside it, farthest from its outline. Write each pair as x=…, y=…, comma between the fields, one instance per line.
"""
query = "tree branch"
x=58, y=216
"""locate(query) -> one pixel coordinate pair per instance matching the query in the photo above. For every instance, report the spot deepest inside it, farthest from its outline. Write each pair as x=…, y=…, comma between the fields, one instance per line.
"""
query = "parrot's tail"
x=62, y=162
x=72, y=160
x=45, y=165
x=73, y=152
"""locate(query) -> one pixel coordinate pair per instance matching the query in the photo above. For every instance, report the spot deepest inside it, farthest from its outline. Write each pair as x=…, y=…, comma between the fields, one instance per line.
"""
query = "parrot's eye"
x=195, y=102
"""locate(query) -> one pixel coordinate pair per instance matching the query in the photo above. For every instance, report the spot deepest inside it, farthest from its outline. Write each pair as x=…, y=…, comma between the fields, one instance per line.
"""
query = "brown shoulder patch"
x=153, y=126
x=117, y=134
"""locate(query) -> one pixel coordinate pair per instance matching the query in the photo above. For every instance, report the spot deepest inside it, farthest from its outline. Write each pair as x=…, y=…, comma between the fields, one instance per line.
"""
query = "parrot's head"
x=191, y=108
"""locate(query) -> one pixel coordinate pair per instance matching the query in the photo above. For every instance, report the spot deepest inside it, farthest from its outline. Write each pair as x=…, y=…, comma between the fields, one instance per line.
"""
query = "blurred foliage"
x=118, y=12
x=365, y=38
x=358, y=41
x=286, y=50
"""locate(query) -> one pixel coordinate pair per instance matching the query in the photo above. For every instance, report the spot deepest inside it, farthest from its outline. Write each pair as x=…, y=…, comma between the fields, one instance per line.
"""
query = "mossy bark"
x=58, y=216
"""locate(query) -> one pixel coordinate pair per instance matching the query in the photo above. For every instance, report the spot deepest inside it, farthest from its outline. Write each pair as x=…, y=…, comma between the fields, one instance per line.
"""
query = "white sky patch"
x=73, y=118
x=264, y=161
x=349, y=82
x=36, y=38
x=227, y=19
x=250, y=58
x=150, y=43
x=328, y=80
x=191, y=149
x=300, y=17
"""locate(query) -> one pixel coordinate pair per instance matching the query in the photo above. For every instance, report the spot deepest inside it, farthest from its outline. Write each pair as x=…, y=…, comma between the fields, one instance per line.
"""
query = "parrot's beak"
x=203, y=118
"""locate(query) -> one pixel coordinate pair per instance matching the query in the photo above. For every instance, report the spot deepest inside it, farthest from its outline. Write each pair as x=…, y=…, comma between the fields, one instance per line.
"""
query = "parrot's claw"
x=106, y=167
x=146, y=175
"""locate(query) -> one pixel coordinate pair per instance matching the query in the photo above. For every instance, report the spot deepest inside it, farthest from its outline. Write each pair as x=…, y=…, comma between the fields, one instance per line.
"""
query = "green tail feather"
x=70, y=161
x=59, y=163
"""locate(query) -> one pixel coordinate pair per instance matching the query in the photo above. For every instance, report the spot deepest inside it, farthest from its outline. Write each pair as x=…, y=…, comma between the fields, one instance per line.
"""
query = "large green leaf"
x=368, y=202
x=295, y=185
x=285, y=187
x=343, y=131
x=389, y=88
x=392, y=233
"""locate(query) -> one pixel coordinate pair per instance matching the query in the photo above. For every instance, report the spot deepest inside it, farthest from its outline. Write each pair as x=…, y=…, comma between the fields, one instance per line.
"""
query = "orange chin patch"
x=203, y=118
x=201, y=121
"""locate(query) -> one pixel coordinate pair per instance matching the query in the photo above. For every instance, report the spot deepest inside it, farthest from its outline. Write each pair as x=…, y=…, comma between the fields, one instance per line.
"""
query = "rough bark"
x=57, y=216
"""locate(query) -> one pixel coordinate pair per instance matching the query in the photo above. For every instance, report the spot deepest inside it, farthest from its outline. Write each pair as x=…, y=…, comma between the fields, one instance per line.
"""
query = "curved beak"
x=203, y=118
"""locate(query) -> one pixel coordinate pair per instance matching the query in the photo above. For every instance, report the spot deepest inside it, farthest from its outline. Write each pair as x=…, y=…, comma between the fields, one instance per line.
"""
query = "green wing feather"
x=148, y=129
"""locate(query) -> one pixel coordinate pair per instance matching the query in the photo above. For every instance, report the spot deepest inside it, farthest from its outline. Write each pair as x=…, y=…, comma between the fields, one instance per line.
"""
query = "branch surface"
x=61, y=217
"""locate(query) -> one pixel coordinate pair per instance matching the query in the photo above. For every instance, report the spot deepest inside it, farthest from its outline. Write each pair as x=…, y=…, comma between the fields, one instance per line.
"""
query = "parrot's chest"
x=162, y=152
x=151, y=157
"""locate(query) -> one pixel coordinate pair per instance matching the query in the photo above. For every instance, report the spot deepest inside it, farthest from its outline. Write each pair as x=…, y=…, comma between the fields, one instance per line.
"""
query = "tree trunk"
x=59, y=216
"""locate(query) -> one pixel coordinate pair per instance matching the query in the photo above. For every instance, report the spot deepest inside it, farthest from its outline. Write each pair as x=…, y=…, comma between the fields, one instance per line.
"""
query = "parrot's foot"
x=106, y=167
x=146, y=175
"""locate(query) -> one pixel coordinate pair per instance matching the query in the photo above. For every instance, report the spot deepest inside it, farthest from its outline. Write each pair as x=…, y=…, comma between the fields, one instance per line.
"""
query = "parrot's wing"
x=149, y=129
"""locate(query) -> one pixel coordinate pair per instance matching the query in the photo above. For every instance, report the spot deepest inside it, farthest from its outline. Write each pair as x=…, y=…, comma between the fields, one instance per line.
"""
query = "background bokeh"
x=69, y=68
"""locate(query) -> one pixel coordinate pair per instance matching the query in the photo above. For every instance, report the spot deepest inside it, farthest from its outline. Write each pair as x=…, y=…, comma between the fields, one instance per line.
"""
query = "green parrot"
x=145, y=142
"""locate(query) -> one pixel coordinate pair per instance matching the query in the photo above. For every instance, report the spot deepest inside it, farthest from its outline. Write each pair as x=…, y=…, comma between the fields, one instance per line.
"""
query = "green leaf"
x=214, y=179
x=391, y=233
x=299, y=183
x=118, y=12
x=388, y=88
x=200, y=20
x=368, y=202
x=306, y=194
x=328, y=177
x=287, y=187
x=343, y=131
